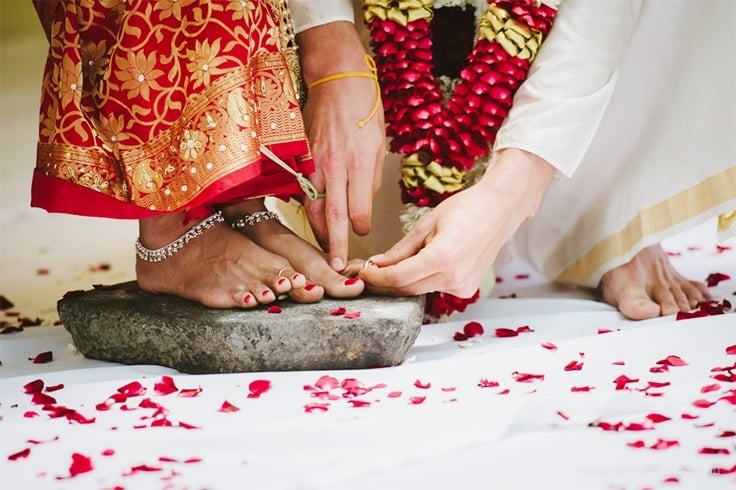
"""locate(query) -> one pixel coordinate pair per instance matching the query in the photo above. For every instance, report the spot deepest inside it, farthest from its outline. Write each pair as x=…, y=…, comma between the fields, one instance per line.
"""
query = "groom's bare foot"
x=648, y=286
x=278, y=239
x=221, y=268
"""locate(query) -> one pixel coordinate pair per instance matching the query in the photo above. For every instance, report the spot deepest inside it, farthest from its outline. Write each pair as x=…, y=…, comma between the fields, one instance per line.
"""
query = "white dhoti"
x=635, y=103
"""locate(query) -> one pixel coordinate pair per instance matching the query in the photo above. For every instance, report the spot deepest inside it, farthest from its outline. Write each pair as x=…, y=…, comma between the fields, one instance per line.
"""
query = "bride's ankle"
x=246, y=207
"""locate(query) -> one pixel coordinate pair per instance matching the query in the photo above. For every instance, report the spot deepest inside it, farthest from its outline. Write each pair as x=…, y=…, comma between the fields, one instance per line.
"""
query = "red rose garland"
x=442, y=136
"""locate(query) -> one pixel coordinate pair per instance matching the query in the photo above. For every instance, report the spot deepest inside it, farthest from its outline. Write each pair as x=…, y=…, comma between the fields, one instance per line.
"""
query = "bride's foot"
x=312, y=262
x=648, y=286
x=220, y=268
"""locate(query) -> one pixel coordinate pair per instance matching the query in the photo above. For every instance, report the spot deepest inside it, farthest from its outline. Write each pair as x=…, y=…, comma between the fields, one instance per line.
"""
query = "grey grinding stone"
x=123, y=324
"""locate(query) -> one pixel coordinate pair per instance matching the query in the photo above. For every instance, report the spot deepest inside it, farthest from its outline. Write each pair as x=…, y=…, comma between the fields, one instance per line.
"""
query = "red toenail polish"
x=265, y=292
x=310, y=286
x=351, y=281
x=295, y=277
x=246, y=299
x=282, y=280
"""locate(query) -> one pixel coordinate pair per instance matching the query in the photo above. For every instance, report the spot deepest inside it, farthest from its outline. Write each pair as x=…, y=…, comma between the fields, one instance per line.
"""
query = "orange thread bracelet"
x=373, y=74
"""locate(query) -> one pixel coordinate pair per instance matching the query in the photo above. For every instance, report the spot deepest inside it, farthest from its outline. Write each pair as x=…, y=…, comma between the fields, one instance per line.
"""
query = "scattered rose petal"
x=486, y=383
x=352, y=315
x=524, y=329
x=473, y=329
x=166, y=386
x=581, y=389
x=716, y=278
x=637, y=444
x=689, y=416
x=703, y=403
x=726, y=433
x=185, y=425
x=274, y=309
x=672, y=361
x=731, y=350
x=394, y=394
x=723, y=471
x=338, y=311
x=316, y=407
x=80, y=464
x=505, y=391
x=549, y=345
x=505, y=332
x=521, y=276
x=713, y=450
x=459, y=337
x=526, y=377
x=258, y=387
x=658, y=418
x=108, y=452
x=228, y=407
x=671, y=479
x=602, y=330
x=563, y=415
x=416, y=400
x=573, y=366
x=710, y=388
x=42, y=399
x=618, y=363
x=35, y=386
x=327, y=382
x=24, y=453
x=664, y=444
x=623, y=380
x=134, y=388
x=29, y=414
x=359, y=403
x=42, y=358
x=142, y=468
x=190, y=392
x=448, y=389
x=421, y=385
x=53, y=388
x=659, y=369
x=658, y=384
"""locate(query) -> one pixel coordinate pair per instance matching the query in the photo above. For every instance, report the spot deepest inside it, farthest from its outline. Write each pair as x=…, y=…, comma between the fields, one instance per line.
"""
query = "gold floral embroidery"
x=145, y=179
x=205, y=62
x=172, y=7
x=242, y=9
x=94, y=60
x=138, y=74
x=192, y=145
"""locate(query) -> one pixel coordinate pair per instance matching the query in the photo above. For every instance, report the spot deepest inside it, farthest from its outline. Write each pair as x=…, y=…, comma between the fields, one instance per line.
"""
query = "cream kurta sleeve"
x=312, y=13
x=557, y=110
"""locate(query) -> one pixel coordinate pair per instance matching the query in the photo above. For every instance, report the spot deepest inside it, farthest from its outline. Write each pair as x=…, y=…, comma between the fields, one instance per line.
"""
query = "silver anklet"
x=243, y=220
x=167, y=251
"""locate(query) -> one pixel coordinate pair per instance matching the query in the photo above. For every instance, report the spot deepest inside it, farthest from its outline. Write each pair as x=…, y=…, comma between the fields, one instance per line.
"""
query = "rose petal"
x=618, y=363
x=485, y=383
x=688, y=416
x=664, y=444
x=420, y=384
x=53, y=388
x=672, y=361
x=731, y=349
x=142, y=468
x=723, y=471
x=459, y=337
x=327, y=382
x=185, y=425
x=581, y=389
x=274, y=309
x=166, y=386
x=359, y=403
x=623, y=380
x=394, y=394
x=473, y=329
x=108, y=452
x=549, y=345
x=716, y=278
x=504, y=392
x=23, y=453
x=563, y=415
x=42, y=399
x=703, y=403
x=526, y=377
x=258, y=387
x=416, y=400
x=352, y=315
x=573, y=366
x=80, y=464
x=658, y=418
x=671, y=479
x=602, y=330
x=657, y=384
x=713, y=450
x=134, y=388
x=29, y=414
x=228, y=407
x=190, y=392
x=316, y=407
x=505, y=332
x=338, y=311
x=710, y=388
x=524, y=329
x=42, y=358
x=35, y=386
x=636, y=444
x=726, y=433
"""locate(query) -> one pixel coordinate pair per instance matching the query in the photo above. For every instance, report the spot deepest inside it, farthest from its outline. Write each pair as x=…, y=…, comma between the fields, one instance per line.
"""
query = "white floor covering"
x=454, y=415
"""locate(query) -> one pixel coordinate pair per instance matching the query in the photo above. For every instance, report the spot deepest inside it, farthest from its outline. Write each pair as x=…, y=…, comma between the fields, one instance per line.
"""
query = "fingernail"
x=351, y=281
x=310, y=286
x=337, y=264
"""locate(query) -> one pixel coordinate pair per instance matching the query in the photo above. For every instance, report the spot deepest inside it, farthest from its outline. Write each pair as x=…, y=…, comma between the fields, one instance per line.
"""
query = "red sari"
x=157, y=106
